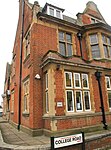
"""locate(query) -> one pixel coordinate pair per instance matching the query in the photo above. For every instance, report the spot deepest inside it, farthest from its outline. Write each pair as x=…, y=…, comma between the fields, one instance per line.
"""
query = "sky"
x=9, y=11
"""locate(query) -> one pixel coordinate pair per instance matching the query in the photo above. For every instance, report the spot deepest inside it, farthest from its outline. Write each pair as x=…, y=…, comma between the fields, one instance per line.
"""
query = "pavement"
x=12, y=139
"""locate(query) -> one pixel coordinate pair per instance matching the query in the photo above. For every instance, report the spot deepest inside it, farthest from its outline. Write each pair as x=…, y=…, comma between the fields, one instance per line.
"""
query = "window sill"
x=80, y=113
x=102, y=59
x=25, y=114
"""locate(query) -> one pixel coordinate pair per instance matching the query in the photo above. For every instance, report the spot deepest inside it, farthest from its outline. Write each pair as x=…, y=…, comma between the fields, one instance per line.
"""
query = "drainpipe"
x=20, y=75
x=79, y=35
x=98, y=77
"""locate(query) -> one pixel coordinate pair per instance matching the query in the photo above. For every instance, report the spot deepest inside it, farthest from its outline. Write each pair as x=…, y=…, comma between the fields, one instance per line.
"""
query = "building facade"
x=60, y=80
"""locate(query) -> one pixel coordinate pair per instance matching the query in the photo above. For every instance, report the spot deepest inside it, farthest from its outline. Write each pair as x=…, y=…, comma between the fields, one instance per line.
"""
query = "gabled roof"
x=92, y=10
x=47, y=4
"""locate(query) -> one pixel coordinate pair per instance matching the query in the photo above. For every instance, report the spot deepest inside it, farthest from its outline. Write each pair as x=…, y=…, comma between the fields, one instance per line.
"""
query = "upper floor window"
x=93, y=20
x=65, y=44
x=107, y=46
x=94, y=46
x=77, y=92
x=51, y=11
x=27, y=45
x=55, y=12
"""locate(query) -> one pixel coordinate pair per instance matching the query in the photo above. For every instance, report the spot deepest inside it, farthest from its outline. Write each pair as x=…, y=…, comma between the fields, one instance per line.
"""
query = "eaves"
x=96, y=26
x=48, y=18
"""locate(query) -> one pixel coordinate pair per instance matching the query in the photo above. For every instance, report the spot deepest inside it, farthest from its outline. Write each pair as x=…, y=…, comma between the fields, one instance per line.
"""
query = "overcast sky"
x=9, y=17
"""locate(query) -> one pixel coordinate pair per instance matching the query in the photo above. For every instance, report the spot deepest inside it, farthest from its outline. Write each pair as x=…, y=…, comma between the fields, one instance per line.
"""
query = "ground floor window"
x=108, y=87
x=26, y=96
x=77, y=92
x=12, y=99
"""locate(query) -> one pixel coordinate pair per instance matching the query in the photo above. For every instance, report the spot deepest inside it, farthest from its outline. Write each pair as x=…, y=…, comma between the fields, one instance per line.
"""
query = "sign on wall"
x=57, y=142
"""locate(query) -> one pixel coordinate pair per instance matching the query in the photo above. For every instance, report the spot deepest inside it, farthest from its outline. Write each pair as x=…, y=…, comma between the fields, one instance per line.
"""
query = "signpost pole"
x=83, y=144
x=52, y=143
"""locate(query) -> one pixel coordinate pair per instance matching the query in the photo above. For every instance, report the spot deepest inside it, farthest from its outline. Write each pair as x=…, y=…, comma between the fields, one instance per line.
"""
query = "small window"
x=58, y=14
x=51, y=11
x=85, y=81
x=77, y=83
x=68, y=77
x=93, y=20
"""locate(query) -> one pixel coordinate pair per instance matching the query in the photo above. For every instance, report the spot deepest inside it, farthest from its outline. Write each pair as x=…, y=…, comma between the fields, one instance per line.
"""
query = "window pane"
x=58, y=14
x=62, y=49
x=78, y=100
x=68, y=37
x=61, y=36
x=51, y=11
x=93, y=39
x=46, y=80
x=25, y=103
x=105, y=51
x=87, y=100
x=110, y=51
x=104, y=39
x=109, y=99
x=107, y=82
x=108, y=41
x=93, y=20
x=95, y=51
x=69, y=95
x=85, y=80
x=68, y=77
x=47, y=102
x=77, y=80
x=69, y=49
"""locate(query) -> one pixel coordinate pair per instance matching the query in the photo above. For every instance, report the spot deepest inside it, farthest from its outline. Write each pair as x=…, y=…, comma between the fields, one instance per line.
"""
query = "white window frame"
x=71, y=79
x=72, y=100
x=89, y=101
x=86, y=80
x=108, y=89
x=77, y=87
x=55, y=9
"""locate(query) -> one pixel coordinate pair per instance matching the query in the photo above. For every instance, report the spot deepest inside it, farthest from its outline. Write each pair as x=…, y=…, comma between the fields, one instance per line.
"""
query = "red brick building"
x=60, y=80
